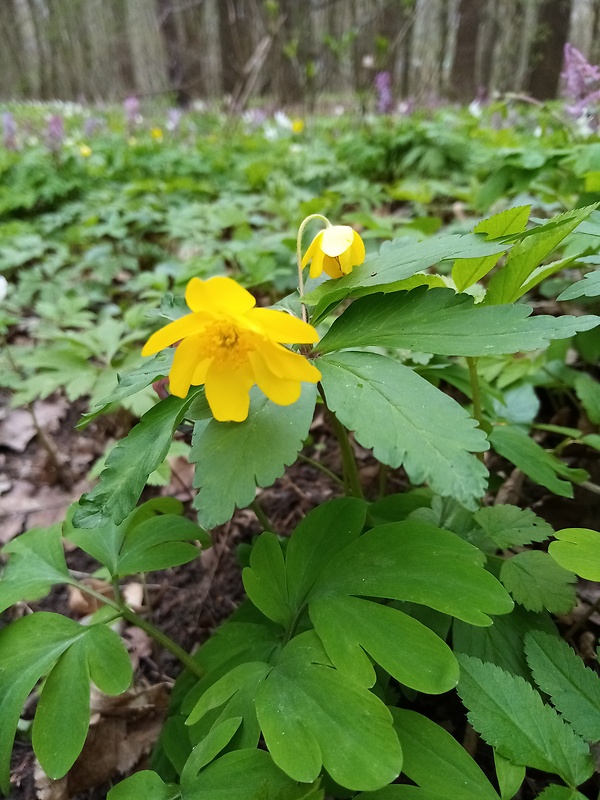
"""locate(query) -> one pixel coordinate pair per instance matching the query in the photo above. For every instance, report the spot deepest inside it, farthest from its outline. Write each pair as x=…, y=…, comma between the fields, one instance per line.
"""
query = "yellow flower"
x=229, y=345
x=336, y=249
x=297, y=125
x=85, y=151
x=156, y=134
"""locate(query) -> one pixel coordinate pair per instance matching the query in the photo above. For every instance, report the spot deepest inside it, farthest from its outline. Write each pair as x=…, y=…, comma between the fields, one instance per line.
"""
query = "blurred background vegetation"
x=288, y=51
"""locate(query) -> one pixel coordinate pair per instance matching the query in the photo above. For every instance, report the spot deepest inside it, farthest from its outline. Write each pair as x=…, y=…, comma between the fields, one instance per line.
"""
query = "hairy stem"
x=303, y=225
x=475, y=394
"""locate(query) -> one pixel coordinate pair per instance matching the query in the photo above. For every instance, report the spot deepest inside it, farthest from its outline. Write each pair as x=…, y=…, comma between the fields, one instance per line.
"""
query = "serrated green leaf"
x=352, y=628
x=573, y=688
x=436, y=762
x=502, y=642
x=587, y=390
x=538, y=464
x=418, y=562
x=311, y=717
x=588, y=287
x=265, y=579
x=510, y=776
x=467, y=271
x=406, y=421
x=511, y=717
x=395, y=262
x=442, y=322
x=578, y=550
x=132, y=383
x=510, y=526
x=506, y=285
x=36, y=563
x=130, y=463
x=556, y=792
x=225, y=481
x=536, y=581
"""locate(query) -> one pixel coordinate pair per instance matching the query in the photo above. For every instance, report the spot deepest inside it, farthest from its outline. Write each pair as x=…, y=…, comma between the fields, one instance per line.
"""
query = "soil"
x=41, y=473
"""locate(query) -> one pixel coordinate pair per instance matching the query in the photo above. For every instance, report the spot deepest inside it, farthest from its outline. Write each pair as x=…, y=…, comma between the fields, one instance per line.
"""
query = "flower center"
x=223, y=341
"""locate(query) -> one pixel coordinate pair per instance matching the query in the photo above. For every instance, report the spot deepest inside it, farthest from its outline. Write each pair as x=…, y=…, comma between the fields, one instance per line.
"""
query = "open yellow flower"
x=336, y=249
x=229, y=345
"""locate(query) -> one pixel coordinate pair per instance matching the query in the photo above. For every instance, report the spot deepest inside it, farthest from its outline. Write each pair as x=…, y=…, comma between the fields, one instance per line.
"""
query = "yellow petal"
x=227, y=392
x=218, y=295
x=279, y=390
x=283, y=327
x=314, y=247
x=316, y=267
x=332, y=267
x=184, y=365
x=173, y=332
x=199, y=375
x=337, y=239
x=285, y=364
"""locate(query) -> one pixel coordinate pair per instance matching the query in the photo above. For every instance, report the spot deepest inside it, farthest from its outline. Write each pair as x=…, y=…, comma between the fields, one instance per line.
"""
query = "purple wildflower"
x=131, y=106
x=383, y=87
x=581, y=81
x=9, y=126
x=55, y=133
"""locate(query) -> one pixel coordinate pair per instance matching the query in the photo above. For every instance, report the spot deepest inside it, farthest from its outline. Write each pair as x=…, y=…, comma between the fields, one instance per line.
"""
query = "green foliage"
x=69, y=655
x=577, y=550
x=536, y=581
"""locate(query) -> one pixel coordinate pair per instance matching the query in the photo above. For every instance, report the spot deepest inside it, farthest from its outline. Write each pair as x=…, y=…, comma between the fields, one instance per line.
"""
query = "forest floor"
x=42, y=474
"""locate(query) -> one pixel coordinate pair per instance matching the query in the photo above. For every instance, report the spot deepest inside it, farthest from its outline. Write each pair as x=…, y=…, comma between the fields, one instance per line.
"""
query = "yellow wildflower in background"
x=337, y=249
x=297, y=125
x=85, y=151
x=229, y=345
x=156, y=134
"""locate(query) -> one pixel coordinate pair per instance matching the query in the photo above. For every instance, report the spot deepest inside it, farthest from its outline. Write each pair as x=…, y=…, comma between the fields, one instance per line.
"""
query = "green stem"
x=262, y=517
x=156, y=634
x=303, y=225
x=475, y=395
x=317, y=465
x=350, y=469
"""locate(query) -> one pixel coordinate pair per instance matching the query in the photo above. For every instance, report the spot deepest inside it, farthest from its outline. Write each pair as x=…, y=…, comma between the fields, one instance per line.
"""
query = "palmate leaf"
x=36, y=563
x=578, y=550
x=131, y=383
x=395, y=262
x=313, y=717
x=573, y=688
x=467, y=271
x=511, y=717
x=130, y=463
x=510, y=526
x=507, y=284
x=154, y=536
x=536, y=581
x=442, y=322
x=233, y=458
x=406, y=421
x=35, y=646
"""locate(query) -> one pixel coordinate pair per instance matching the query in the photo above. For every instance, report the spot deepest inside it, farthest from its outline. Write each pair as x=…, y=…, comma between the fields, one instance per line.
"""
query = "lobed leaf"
x=130, y=463
x=588, y=287
x=406, y=421
x=511, y=717
x=578, y=550
x=536, y=581
x=510, y=526
x=225, y=480
x=573, y=688
x=442, y=322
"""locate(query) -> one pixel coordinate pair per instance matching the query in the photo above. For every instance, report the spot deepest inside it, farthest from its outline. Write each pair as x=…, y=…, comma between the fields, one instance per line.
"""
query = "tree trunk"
x=463, y=83
x=546, y=54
